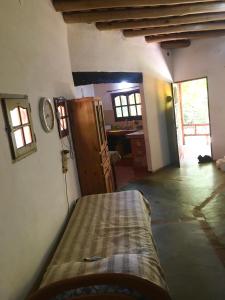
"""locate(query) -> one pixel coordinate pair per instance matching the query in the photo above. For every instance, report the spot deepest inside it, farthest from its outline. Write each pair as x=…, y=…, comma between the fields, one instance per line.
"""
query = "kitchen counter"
x=119, y=132
x=118, y=141
x=137, y=141
x=135, y=134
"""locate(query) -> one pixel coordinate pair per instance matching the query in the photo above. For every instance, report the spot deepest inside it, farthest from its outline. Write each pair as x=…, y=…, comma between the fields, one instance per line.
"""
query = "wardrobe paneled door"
x=90, y=145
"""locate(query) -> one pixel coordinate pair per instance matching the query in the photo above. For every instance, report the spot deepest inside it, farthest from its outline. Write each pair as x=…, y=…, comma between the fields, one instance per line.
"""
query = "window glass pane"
x=61, y=125
x=59, y=111
x=15, y=117
x=133, y=110
x=138, y=98
x=131, y=99
x=125, y=111
x=63, y=111
x=118, y=112
x=27, y=134
x=64, y=124
x=24, y=115
x=19, y=138
x=18, y=116
x=139, y=110
x=124, y=100
x=117, y=101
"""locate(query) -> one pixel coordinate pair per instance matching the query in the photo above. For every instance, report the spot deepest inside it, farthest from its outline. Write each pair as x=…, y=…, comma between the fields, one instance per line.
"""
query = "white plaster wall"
x=92, y=50
x=34, y=60
x=84, y=91
x=207, y=58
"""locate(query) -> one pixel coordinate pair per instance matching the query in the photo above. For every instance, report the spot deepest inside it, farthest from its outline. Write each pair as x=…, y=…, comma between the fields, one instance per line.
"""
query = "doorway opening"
x=122, y=96
x=192, y=119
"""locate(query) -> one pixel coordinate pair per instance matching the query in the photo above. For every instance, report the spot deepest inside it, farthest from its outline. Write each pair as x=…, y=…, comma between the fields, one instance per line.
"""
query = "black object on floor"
x=204, y=159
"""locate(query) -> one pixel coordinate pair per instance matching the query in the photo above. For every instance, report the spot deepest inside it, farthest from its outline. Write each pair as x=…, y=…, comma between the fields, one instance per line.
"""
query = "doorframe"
x=174, y=117
x=207, y=86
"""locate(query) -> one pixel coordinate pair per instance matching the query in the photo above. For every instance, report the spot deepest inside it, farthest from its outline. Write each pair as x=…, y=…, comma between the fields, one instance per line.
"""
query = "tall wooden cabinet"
x=90, y=144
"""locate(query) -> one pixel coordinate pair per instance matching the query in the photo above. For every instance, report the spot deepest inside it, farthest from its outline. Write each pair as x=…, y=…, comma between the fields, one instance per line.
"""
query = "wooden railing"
x=195, y=130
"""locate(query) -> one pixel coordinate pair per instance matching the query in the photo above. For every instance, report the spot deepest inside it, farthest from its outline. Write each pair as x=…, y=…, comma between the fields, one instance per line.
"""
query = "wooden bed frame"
x=105, y=297
x=145, y=287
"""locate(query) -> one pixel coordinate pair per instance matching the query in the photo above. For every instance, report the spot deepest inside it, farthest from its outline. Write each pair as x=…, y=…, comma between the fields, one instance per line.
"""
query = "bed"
x=106, y=252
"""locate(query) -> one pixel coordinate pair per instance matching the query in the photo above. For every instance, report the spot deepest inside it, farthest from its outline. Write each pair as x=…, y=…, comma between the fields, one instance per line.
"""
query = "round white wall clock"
x=46, y=114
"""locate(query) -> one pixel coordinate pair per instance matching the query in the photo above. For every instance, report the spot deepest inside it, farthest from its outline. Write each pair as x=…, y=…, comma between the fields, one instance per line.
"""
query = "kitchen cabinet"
x=138, y=149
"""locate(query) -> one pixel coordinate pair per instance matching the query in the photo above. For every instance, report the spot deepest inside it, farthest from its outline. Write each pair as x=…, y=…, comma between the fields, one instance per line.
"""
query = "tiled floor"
x=126, y=173
x=188, y=221
x=194, y=146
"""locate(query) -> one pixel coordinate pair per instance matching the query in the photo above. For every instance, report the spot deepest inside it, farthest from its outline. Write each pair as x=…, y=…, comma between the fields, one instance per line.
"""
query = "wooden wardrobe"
x=90, y=144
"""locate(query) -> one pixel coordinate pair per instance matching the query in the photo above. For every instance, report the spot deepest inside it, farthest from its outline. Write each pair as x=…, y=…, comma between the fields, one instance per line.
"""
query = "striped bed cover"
x=107, y=233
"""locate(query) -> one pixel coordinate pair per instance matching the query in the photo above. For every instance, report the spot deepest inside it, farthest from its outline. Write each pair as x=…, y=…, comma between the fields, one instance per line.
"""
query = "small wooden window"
x=127, y=105
x=17, y=113
x=62, y=116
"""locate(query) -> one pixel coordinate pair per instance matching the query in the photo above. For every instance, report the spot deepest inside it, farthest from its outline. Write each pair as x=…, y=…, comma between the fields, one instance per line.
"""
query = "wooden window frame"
x=62, y=102
x=127, y=94
x=10, y=102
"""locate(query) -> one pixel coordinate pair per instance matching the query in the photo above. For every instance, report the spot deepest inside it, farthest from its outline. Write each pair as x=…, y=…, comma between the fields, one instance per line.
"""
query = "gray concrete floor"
x=188, y=222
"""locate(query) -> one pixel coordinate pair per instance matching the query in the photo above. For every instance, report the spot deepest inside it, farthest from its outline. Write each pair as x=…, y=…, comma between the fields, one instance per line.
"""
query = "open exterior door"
x=172, y=131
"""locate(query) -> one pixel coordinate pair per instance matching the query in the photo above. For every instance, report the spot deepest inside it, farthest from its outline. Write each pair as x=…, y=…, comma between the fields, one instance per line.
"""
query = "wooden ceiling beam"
x=81, y=5
x=184, y=36
x=161, y=22
x=175, y=44
x=140, y=13
x=175, y=29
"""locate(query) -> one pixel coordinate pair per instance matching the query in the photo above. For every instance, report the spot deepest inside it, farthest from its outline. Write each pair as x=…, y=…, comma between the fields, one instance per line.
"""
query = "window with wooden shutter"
x=127, y=105
x=62, y=116
x=17, y=113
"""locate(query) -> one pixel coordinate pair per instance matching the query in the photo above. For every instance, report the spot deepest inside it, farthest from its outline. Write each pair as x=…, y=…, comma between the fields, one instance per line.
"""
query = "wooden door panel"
x=100, y=124
x=109, y=181
x=104, y=154
x=90, y=144
x=172, y=131
x=97, y=118
x=106, y=166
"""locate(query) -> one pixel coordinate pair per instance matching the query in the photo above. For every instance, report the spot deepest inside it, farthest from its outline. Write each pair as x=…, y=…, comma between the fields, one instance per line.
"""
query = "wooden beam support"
x=175, y=44
x=140, y=13
x=184, y=36
x=81, y=5
x=161, y=22
x=175, y=29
